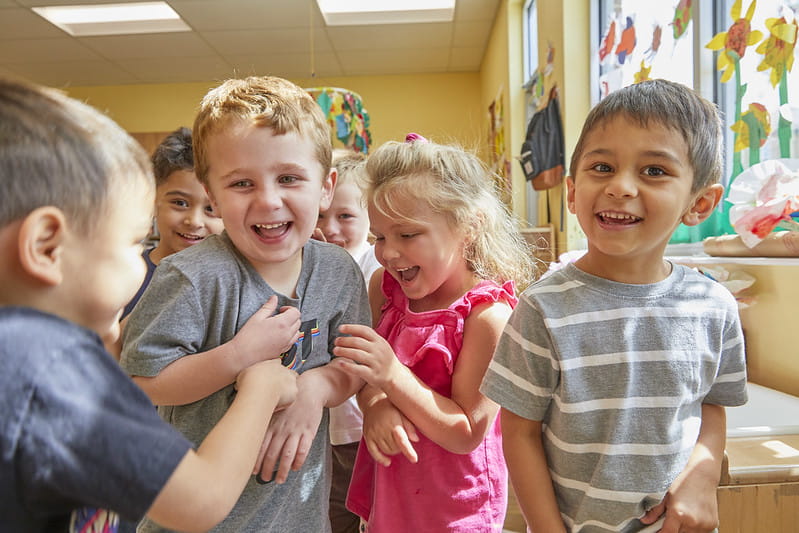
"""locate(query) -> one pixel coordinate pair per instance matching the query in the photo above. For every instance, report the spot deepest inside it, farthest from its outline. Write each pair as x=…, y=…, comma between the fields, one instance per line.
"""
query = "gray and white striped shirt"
x=618, y=374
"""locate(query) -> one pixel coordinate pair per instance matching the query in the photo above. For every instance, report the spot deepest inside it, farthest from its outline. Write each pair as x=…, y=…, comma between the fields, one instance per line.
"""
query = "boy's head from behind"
x=183, y=211
x=76, y=196
x=346, y=222
x=262, y=149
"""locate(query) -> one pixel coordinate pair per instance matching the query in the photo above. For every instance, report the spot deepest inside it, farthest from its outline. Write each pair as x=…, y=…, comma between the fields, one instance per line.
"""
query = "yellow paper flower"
x=761, y=117
x=734, y=41
x=643, y=73
x=778, y=48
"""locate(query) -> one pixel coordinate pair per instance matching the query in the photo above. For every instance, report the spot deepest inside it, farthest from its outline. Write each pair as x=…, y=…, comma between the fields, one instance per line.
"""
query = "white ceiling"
x=237, y=38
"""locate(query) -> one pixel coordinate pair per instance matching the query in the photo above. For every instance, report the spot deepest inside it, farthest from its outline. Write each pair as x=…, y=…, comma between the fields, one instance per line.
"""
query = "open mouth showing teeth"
x=271, y=230
x=189, y=237
x=617, y=218
x=407, y=274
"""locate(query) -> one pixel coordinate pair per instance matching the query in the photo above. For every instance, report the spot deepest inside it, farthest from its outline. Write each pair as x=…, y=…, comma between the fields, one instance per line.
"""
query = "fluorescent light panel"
x=363, y=12
x=113, y=19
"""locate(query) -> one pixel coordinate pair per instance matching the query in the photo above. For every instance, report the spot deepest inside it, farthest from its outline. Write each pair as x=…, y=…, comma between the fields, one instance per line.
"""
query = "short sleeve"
x=523, y=372
x=729, y=386
x=167, y=323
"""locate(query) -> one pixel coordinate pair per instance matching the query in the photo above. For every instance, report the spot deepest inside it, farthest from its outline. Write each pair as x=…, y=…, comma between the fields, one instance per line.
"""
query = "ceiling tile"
x=476, y=10
x=180, y=44
x=19, y=23
x=259, y=42
x=247, y=14
x=471, y=34
x=45, y=50
x=287, y=65
x=390, y=36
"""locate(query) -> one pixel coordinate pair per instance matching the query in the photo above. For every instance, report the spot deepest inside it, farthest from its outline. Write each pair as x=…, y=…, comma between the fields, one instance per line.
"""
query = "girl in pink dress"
x=431, y=454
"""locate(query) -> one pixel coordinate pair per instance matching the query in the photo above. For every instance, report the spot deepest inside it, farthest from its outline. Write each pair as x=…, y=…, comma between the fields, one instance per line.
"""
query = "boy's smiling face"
x=183, y=213
x=268, y=189
x=631, y=190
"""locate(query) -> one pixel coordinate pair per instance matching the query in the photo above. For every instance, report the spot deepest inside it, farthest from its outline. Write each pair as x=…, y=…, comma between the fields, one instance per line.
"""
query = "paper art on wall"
x=683, y=14
x=344, y=111
x=627, y=41
x=623, y=60
x=765, y=197
x=499, y=161
x=778, y=55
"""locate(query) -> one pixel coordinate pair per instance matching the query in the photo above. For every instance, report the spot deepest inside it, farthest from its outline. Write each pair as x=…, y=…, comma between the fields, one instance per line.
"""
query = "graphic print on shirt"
x=308, y=330
x=93, y=520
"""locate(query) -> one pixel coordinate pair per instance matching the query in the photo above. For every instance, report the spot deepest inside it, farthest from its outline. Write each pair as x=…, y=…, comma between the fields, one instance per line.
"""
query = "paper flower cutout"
x=778, y=48
x=764, y=197
x=733, y=42
x=753, y=128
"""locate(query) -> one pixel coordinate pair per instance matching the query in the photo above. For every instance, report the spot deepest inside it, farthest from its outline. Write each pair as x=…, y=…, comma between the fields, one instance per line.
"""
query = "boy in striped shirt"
x=613, y=372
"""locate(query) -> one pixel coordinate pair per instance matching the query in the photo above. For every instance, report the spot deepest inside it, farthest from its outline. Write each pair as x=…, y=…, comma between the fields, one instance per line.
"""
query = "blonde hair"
x=452, y=182
x=266, y=102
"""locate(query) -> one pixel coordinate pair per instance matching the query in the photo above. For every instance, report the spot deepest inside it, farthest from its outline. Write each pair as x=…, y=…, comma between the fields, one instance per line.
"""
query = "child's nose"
x=269, y=197
x=328, y=226
x=194, y=218
x=622, y=185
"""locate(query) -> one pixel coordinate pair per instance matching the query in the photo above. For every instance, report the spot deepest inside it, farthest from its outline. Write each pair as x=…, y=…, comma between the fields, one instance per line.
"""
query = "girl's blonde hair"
x=454, y=183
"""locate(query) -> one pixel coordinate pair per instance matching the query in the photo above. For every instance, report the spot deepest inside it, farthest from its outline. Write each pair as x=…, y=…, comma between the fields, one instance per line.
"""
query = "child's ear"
x=328, y=187
x=703, y=205
x=41, y=240
x=570, y=194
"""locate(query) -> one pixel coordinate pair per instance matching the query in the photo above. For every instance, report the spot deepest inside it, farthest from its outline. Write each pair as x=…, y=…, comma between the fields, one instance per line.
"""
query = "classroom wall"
x=445, y=107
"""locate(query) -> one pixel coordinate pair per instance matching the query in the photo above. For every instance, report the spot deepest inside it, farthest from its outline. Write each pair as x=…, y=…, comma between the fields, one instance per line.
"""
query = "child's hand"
x=271, y=375
x=318, y=235
x=376, y=362
x=387, y=432
x=290, y=435
x=267, y=335
x=689, y=507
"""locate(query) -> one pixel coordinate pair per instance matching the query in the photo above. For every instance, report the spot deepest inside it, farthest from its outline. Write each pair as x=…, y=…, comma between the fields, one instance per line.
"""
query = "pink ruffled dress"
x=444, y=491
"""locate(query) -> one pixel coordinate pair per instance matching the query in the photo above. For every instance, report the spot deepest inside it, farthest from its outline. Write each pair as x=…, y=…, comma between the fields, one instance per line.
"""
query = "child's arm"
x=385, y=430
x=690, y=504
x=206, y=485
x=196, y=376
x=529, y=473
x=291, y=432
x=457, y=424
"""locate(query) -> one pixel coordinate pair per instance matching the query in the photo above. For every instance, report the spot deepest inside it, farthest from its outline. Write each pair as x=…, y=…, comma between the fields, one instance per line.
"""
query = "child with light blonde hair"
x=431, y=454
x=262, y=149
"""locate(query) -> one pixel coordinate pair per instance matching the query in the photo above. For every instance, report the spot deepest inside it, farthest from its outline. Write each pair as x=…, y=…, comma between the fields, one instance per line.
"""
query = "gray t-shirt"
x=197, y=300
x=618, y=374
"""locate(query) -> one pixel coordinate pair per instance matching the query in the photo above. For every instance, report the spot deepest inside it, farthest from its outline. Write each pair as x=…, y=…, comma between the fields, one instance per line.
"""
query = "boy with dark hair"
x=613, y=372
x=77, y=437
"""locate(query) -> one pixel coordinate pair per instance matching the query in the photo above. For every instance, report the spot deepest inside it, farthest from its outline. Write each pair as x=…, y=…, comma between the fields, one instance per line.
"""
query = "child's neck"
x=445, y=295
x=625, y=271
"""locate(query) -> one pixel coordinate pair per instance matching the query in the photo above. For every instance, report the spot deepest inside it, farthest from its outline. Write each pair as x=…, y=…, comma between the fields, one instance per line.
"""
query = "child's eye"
x=240, y=184
x=408, y=235
x=379, y=238
x=180, y=203
x=210, y=210
x=602, y=167
x=654, y=171
x=287, y=179
x=346, y=216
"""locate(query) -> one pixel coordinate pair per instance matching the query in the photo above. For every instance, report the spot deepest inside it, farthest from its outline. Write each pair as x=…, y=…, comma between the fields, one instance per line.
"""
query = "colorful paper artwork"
x=344, y=111
x=683, y=14
x=627, y=42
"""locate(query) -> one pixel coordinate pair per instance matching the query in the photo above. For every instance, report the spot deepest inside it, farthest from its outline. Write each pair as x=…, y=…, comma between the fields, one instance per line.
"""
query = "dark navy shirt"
x=75, y=431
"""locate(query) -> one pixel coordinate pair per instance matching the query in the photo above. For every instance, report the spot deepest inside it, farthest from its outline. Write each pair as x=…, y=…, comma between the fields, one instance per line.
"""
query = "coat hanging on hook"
x=542, y=153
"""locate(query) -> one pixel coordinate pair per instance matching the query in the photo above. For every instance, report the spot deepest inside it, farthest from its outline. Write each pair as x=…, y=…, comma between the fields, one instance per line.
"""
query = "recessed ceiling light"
x=114, y=19
x=362, y=12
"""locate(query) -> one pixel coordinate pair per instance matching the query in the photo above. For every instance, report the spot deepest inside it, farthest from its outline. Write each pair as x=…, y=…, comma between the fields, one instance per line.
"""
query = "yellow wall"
x=445, y=107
